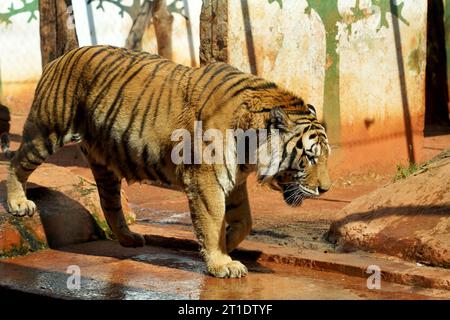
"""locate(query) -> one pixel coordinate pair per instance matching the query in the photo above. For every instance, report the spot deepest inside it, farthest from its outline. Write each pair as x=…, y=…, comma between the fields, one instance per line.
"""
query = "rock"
x=69, y=212
x=4, y=119
x=19, y=236
x=409, y=218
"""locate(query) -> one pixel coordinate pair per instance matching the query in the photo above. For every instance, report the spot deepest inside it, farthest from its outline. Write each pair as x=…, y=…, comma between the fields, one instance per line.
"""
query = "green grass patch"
x=22, y=250
x=84, y=190
x=405, y=171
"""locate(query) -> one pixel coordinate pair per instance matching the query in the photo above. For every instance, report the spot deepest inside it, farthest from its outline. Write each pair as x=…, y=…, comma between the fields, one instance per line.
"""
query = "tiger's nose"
x=323, y=189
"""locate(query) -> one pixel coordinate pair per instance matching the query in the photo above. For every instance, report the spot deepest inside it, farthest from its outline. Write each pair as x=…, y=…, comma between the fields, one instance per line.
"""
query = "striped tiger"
x=121, y=107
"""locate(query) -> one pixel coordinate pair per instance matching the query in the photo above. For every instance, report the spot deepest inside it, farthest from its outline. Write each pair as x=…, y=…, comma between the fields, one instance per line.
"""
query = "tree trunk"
x=214, y=31
x=57, y=29
x=134, y=39
x=163, y=20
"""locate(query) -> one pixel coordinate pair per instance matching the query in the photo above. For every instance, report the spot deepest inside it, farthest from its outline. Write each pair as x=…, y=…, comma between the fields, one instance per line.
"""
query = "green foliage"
x=132, y=10
x=405, y=171
x=329, y=13
x=84, y=190
x=14, y=252
x=30, y=7
x=280, y=2
x=385, y=8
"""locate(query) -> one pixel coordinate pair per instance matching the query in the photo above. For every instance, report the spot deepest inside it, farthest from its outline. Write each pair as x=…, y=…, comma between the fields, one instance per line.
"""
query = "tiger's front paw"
x=21, y=207
x=232, y=269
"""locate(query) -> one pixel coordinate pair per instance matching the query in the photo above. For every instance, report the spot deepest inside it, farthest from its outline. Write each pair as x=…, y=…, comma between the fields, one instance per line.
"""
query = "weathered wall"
x=20, y=58
x=361, y=63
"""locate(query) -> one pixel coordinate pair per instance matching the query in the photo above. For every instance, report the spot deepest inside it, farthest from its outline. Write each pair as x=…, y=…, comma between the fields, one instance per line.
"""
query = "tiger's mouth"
x=294, y=193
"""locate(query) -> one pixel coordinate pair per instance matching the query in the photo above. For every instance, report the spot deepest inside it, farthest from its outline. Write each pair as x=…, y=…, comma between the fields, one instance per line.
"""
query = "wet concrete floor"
x=109, y=271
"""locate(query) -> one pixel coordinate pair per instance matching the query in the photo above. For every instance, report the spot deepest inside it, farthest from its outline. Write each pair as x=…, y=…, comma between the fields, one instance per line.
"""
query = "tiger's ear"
x=279, y=120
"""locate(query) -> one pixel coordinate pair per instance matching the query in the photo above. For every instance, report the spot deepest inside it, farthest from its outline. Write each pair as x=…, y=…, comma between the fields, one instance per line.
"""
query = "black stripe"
x=49, y=147
x=161, y=176
x=150, y=171
x=147, y=169
x=103, y=65
x=292, y=157
x=265, y=86
x=285, y=147
x=126, y=147
x=144, y=89
x=120, y=72
x=205, y=71
x=33, y=162
x=66, y=86
x=114, y=107
x=113, y=77
x=120, y=96
x=302, y=122
x=136, y=110
x=45, y=78
x=79, y=81
x=25, y=168
x=62, y=71
x=158, y=100
x=169, y=107
x=298, y=111
x=148, y=103
x=218, y=181
x=199, y=113
x=43, y=112
x=217, y=72
x=36, y=152
x=74, y=59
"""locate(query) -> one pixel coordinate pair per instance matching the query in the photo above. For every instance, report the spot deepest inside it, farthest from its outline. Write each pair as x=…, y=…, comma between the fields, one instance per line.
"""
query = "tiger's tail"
x=4, y=141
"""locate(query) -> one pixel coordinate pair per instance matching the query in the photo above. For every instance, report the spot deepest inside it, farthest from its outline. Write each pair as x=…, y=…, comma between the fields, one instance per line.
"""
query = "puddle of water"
x=170, y=260
x=162, y=217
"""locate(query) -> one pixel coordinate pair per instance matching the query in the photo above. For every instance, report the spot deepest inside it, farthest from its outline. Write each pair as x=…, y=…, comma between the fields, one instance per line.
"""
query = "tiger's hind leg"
x=35, y=148
x=108, y=185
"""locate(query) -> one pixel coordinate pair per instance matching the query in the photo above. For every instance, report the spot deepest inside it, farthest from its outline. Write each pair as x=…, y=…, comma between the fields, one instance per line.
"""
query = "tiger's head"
x=302, y=164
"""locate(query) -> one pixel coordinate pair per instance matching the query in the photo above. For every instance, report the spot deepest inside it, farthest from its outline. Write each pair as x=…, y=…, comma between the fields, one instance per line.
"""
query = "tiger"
x=121, y=106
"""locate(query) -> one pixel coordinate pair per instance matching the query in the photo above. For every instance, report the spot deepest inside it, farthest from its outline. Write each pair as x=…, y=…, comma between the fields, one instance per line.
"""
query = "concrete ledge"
x=353, y=264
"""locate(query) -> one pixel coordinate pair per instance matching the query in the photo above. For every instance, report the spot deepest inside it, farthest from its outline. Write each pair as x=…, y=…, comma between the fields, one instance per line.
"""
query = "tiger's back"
x=120, y=104
x=124, y=105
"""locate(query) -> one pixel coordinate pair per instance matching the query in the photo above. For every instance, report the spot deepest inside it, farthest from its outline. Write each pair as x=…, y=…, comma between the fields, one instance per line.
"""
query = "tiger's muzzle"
x=294, y=193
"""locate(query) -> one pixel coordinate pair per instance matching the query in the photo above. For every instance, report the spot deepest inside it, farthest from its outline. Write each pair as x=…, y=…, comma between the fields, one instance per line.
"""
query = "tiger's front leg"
x=238, y=216
x=207, y=206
